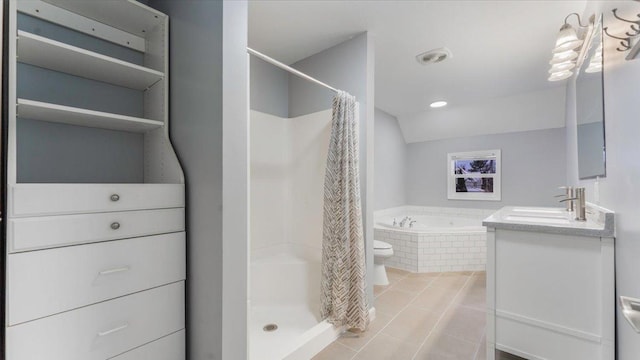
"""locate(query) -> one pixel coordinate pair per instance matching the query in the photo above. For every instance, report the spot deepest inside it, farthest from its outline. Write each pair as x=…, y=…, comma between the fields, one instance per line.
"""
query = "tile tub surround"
x=434, y=252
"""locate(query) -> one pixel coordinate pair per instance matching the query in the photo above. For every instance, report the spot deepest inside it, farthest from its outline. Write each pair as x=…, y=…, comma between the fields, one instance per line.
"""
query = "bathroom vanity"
x=550, y=284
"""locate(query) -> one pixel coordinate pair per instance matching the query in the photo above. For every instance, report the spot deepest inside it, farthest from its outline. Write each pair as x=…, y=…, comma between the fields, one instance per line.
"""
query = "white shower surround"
x=455, y=239
x=288, y=159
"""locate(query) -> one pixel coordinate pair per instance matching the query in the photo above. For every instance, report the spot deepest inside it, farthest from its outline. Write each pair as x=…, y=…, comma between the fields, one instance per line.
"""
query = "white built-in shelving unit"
x=94, y=269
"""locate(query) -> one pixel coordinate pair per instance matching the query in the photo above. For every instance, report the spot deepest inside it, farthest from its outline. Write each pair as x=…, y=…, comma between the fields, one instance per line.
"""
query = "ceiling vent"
x=434, y=56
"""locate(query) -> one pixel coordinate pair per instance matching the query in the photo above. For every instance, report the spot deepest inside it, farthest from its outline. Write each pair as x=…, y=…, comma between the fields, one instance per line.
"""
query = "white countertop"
x=600, y=221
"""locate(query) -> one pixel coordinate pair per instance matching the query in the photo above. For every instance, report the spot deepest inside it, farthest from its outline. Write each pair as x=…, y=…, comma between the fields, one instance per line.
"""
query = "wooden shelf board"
x=37, y=110
x=40, y=51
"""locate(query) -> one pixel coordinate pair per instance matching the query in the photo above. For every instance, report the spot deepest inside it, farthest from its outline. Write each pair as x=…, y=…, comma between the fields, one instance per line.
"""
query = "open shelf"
x=37, y=110
x=50, y=54
x=128, y=15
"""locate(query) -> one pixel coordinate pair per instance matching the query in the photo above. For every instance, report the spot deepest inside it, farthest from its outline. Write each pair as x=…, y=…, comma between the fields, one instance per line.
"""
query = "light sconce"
x=565, y=53
x=625, y=41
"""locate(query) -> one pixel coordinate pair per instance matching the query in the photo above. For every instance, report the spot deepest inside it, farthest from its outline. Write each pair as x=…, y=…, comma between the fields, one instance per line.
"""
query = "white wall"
x=533, y=166
x=522, y=112
x=390, y=158
x=270, y=180
x=288, y=161
x=620, y=190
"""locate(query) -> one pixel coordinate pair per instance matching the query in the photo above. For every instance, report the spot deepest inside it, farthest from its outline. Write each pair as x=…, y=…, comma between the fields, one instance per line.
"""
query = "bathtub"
x=285, y=290
x=440, y=240
x=432, y=224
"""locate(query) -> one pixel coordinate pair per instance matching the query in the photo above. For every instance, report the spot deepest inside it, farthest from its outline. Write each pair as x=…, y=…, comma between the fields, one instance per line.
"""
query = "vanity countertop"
x=600, y=221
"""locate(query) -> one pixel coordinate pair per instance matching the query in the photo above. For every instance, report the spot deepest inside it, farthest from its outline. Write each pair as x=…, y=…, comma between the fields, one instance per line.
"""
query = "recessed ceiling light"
x=438, y=104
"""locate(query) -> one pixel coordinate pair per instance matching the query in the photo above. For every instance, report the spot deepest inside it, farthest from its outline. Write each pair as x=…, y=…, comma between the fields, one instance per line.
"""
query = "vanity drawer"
x=52, y=199
x=171, y=347
x=101, y=331
x=52, y=231
x=46, y=282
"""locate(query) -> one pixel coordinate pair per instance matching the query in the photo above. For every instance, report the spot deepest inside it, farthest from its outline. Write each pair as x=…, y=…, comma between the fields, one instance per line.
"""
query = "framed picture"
x=474, y=175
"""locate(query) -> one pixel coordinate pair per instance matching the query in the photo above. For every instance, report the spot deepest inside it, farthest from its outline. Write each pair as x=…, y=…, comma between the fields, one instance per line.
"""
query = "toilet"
x=381, y=251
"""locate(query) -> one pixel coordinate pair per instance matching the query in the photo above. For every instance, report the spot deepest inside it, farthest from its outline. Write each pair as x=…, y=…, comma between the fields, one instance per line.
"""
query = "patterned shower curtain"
x=343, y=299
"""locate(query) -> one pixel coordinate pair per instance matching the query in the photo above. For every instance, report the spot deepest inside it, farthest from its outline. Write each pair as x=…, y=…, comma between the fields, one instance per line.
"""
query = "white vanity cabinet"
x=550, y=285
x=95, y=215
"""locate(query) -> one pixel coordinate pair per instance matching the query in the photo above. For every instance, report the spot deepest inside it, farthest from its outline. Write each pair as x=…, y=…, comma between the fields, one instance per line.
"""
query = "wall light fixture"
x=568, y=51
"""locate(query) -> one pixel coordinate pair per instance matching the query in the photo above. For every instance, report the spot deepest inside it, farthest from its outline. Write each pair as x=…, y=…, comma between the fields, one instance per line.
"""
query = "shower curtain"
x=343, y=299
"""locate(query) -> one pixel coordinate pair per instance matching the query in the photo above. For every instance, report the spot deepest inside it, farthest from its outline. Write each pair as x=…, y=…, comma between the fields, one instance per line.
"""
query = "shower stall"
x=288, y=159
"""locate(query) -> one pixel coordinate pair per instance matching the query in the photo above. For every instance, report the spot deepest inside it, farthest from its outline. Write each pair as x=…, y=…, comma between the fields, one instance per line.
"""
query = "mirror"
x=590, y=109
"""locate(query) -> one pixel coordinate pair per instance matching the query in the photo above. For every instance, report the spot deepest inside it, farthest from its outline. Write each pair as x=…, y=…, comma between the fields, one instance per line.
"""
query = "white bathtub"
x=285, y=290
x=440, y=240
x=432, y=223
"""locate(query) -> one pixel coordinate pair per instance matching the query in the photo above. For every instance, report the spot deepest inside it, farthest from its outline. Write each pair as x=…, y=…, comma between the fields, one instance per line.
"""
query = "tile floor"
x=421, y=316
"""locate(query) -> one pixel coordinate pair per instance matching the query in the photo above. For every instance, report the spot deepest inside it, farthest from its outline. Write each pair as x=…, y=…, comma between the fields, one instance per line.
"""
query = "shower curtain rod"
x=288, y=68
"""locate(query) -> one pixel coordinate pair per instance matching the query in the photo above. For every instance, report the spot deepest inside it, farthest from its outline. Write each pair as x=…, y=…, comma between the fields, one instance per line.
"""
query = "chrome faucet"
x=581, y=204
x=411, y=223
x=404, y=221
x=568, y=197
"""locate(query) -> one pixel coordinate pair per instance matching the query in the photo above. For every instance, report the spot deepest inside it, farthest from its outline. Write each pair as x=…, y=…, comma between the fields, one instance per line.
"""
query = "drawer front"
x=103, y=330
x=46, y=282
x=53, y=231
x=170, y=347
x=52, y=199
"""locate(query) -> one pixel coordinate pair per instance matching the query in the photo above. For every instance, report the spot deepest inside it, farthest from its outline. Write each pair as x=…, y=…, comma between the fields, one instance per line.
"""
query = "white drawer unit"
x=42, y=283
x=60, y=199
x=103, y=330
x=170, y=347
x=95, y=214
x=34, y=233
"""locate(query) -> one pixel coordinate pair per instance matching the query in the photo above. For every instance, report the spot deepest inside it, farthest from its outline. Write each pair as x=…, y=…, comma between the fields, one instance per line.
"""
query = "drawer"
x=100, y=331
x=51, y=199
x=46, y=282
x=52, y=231
x=171, y=347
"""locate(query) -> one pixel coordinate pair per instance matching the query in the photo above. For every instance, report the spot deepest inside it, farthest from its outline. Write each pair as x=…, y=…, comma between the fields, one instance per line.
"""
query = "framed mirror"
x=590, y=109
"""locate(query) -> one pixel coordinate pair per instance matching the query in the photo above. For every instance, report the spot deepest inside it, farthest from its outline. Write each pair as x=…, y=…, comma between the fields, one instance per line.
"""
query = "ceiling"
x=499, y=48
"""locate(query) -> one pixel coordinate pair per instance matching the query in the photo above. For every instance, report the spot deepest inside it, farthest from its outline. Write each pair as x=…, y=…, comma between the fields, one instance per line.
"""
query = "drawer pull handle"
x=114, y=270
x=114, y=330
x=115, y=225
x=115, y=197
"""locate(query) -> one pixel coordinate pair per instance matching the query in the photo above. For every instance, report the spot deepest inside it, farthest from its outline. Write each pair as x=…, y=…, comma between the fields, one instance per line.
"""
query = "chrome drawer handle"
x=115, y=225
x=114, y=330
x=115, y=197
x=114, y=270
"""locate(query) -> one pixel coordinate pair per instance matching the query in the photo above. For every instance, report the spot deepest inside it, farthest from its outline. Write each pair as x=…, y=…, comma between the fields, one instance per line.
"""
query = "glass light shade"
x=560, y=75
x=567, y=65
x=563, y=56
x=567, y=39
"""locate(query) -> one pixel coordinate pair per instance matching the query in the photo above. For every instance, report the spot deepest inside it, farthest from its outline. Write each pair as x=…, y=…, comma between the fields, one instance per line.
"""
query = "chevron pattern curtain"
x=344, y=299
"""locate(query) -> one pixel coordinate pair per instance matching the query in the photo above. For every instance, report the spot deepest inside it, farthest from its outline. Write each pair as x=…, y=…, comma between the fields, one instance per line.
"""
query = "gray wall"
x=390, y=157
x=347, y=66
x=533, y=166
x=196, y=133
x=620, y=190
x=269, y=88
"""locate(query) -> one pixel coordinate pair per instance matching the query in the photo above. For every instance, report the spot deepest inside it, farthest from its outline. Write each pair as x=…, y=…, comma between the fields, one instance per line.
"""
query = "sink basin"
x=538, y=219
x=544, y=212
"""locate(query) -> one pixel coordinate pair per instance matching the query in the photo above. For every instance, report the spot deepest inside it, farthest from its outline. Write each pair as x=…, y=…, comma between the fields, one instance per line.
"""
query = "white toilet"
x=381, y=251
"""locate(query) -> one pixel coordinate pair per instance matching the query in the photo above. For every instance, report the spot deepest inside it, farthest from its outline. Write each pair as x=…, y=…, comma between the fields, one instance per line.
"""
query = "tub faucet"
x=404, y=221
x=411, y=223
